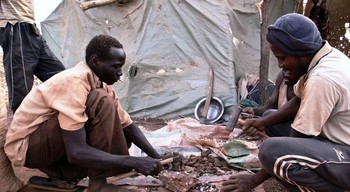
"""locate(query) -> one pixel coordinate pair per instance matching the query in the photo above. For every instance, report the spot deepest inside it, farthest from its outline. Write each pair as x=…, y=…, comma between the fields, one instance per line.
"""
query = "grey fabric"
x=172, y=44
x=295, y=34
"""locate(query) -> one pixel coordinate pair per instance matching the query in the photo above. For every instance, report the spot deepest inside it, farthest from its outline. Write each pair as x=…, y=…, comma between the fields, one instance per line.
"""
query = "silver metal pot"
x=215, y=111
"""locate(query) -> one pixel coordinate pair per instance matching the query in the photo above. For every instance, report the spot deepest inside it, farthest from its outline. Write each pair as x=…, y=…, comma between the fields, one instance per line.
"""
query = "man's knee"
x=99, y=99
x=265, y=150
x=270, y=150
x=98, y=94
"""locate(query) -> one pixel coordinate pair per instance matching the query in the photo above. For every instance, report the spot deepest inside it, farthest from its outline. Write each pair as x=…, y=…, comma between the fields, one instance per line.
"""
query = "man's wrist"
x=254, y=110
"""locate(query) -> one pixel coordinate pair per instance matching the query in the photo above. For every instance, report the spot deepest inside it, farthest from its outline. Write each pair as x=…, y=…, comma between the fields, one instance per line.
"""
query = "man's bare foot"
x=240, y=182
x=101, y=185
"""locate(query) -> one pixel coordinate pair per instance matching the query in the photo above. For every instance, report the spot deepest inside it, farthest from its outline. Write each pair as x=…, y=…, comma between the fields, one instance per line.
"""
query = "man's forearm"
x=80, y=153
x=261, y=176
x=285, y=113
x=135, y=135
x=260, y=110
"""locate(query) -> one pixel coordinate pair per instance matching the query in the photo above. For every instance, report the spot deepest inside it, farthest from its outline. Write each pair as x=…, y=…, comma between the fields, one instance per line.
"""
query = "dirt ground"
x=24, y=174
x=202, y=166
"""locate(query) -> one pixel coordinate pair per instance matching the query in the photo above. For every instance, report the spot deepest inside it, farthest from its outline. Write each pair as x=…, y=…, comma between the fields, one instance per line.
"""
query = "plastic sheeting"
x=172, y=43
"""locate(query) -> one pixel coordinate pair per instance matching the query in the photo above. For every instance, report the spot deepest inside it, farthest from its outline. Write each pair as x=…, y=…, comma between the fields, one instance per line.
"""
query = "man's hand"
x=148, y=166
x=252, y=126
x=245, y=181
x=240, y=182
x=249, y=110
x=135, y=135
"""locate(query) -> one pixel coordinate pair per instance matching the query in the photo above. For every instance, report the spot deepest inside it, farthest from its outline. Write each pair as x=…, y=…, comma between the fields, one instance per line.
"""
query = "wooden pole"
x=264, y=54
x=204, y=119
x=96, y=3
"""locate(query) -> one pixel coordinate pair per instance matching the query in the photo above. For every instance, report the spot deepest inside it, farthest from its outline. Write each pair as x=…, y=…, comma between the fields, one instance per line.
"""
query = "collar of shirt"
x=96, y=81
x=300, y=85
x=327, y=48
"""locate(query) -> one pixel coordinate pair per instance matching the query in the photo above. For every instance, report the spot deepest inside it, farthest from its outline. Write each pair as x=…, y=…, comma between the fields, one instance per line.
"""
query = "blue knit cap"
x=295, y=34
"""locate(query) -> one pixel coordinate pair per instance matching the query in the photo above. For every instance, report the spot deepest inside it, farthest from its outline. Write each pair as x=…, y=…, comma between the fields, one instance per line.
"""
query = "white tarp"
x=172, y=43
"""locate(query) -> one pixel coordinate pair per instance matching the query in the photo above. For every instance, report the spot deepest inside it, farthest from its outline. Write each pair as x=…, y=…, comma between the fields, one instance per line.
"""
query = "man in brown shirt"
x=73, y=126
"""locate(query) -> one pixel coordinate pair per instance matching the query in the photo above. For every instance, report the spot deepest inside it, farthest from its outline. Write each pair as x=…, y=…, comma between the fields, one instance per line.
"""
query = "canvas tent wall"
x=172, y=43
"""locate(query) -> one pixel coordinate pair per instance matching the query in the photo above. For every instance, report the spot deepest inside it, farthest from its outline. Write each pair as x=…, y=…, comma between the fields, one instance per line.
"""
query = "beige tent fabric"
x=8, y=180
x=172, y=44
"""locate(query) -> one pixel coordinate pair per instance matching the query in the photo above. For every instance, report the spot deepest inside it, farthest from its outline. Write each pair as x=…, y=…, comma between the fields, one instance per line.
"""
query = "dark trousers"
x=25, y=54
x=307, y=164
x=46, y=150
x=278, y=130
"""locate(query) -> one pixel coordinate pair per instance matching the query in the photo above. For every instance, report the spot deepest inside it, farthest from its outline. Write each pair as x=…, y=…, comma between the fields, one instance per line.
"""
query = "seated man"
x=316, y=156
x=282, y=93
x=73, y=125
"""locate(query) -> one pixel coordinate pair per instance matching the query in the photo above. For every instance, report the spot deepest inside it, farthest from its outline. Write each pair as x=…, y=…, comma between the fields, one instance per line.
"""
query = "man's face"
x=293, y=67
x=110, y=69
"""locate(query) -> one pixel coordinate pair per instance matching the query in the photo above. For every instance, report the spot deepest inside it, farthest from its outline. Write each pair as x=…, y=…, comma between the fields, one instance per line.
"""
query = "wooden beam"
x=264, y=54
x=96, y=3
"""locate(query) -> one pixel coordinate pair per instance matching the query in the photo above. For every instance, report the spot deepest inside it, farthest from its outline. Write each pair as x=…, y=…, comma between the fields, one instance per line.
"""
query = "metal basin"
x=215, y=112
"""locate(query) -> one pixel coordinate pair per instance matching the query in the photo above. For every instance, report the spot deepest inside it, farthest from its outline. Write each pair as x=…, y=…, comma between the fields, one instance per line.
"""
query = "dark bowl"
x=215, y=111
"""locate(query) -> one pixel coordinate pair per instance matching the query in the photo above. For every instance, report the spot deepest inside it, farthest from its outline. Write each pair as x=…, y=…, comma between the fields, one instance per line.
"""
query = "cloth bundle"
x=8, y=180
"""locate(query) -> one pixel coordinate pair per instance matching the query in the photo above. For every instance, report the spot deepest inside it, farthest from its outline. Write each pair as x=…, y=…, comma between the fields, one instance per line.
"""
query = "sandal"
x=53, y=184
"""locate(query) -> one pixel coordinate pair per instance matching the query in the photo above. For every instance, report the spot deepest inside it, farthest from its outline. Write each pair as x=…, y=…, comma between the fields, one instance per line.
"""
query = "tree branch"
x=265, y=55
x=96, y=3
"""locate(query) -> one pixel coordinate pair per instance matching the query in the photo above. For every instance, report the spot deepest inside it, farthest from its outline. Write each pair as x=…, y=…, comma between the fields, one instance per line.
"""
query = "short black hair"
x=101, y=45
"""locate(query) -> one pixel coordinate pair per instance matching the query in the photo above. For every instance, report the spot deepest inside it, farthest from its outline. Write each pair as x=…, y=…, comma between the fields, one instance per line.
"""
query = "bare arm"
x=82, y=154
x=261, y=176
x=285, y=113
x=135, y=135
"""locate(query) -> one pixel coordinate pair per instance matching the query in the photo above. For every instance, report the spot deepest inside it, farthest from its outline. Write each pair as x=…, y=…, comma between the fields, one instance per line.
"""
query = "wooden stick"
x=96, y=3
x=263, y=135
x=240, y=122
x=166, y=161
x=125, y=175
x=209, y=96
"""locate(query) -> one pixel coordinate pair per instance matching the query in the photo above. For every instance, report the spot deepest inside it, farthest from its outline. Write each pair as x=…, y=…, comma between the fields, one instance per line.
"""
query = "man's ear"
x=94, y=60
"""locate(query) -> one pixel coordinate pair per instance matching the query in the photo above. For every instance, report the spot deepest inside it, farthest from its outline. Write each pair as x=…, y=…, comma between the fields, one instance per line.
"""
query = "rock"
x=178, y=181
